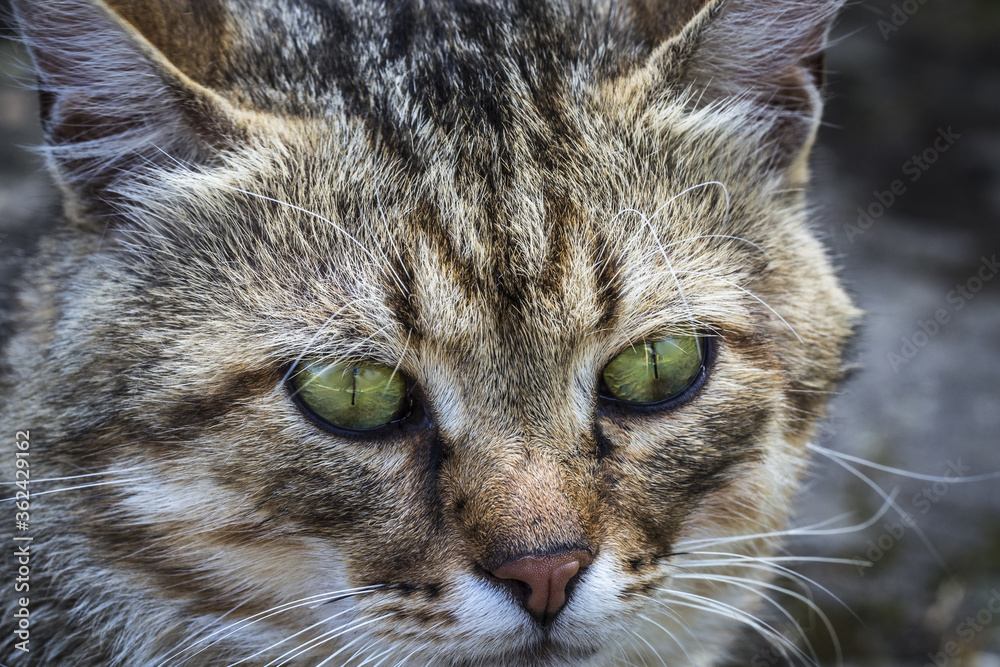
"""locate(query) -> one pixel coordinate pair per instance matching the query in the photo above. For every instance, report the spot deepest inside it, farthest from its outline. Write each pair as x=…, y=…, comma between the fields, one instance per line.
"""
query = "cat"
x=436, y=332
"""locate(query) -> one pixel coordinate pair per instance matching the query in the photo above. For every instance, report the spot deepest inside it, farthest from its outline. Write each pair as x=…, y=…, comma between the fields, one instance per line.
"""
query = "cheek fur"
x=495, y=202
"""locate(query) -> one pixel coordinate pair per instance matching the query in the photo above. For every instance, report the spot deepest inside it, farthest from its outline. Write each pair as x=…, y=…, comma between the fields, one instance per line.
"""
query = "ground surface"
x=926, y=398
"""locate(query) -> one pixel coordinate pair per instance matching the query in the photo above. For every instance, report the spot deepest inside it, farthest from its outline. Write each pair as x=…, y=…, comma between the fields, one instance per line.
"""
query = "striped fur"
x=496, y=198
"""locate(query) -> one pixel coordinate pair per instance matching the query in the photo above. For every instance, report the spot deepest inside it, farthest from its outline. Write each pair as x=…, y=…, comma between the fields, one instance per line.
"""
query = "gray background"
x=891, y=93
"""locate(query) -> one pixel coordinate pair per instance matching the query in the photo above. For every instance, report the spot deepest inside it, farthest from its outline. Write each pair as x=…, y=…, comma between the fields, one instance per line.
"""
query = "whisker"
x=808, y=531
x=242, y=624
x=419, y=648
x=89, y=474
x=388, y=230
x=647, y=222
x=290, y=637
x=765, y=564
x=749, y=585
x=325, y=637
x=635, y=635
x=674, y=198
x=680, y=645
x=902, y=514
x=364, y=647
x=82, y=486
x=777, y=559
x=717, y=236
x=829, y=453
x=385, y=655
x=621, y=650
x=752, y=296
x=316, y=336
x=722, y=609
x=676, y=617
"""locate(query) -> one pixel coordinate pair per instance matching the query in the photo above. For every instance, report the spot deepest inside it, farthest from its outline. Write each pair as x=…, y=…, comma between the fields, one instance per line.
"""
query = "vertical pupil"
x=651, y=350
x=354, y=383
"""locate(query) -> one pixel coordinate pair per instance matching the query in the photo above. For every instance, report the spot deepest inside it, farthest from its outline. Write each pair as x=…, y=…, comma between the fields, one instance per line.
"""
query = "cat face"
x=493, y=207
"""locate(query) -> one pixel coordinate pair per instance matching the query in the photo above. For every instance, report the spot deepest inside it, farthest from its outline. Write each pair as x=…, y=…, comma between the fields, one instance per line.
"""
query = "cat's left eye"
x=655, y=371
x=351, y=395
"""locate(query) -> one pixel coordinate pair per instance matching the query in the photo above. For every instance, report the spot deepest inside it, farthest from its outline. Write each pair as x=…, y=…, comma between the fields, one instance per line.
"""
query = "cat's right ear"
x=112, y=106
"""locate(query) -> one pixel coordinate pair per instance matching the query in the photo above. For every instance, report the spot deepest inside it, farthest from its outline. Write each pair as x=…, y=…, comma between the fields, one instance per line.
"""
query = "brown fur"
x=495, y=199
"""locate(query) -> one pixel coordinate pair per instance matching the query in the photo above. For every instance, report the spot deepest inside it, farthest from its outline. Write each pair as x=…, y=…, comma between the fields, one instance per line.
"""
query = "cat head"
x=493, y=213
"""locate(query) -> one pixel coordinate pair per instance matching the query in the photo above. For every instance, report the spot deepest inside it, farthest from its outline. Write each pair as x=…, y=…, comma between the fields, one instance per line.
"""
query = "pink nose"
x=546, y=577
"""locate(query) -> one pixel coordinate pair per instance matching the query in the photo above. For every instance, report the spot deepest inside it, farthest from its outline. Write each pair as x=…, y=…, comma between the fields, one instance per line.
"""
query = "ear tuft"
x=112, y=106
x=760, y=46
x=767, y=53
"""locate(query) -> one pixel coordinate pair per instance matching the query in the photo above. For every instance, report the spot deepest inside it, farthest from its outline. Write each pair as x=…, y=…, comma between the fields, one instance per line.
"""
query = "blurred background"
x=907, y=179
x=908, y=176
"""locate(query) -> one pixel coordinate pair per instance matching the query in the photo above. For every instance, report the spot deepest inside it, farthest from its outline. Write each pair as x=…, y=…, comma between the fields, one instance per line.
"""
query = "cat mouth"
x=543, y=653
x=545, y=647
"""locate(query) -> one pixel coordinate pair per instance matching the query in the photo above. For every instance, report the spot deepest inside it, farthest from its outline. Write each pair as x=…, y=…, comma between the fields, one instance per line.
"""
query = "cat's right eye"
x=351, y=395
x=655, y=371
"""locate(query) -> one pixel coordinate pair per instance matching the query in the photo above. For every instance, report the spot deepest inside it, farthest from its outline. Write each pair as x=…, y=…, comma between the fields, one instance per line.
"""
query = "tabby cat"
x=416, y=332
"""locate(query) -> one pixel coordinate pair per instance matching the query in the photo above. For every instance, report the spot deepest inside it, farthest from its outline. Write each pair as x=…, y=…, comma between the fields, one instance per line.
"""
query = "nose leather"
x=547, y=577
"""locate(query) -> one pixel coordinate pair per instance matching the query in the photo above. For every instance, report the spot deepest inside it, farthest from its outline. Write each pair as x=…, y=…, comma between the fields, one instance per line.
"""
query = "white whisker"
x=829, y=453
x=808, y=531
x=902, y=514
x=635, y=635
x=290, y=637
x=768, y=564
x=315, y=337
x=325, y=637
x=231, y=629
x=717, y=236
x=680, y=644
x=676, y=617
x=752, y=296
x=419, y=648
x=722, y=609
x=89, y=474
x=750, y=584
x=82, y=486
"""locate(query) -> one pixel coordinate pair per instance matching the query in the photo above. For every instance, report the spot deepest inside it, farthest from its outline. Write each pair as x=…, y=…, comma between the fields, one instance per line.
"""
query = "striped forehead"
x=459, y=66
x=538, y=269
x=567, y=274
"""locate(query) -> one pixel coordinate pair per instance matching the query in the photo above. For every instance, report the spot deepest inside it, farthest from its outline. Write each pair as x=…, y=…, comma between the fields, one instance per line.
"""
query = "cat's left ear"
x=767, y=55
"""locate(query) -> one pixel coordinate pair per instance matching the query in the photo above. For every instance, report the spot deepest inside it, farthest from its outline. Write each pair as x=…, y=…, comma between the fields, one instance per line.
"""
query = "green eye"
x=354, y=395
x=654, y=371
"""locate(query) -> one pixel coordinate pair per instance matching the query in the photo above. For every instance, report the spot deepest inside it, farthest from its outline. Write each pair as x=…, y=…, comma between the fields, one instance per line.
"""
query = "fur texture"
x=496, y=199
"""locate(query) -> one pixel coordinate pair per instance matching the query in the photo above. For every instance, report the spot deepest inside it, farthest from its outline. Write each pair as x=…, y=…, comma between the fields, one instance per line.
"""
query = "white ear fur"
x=766, y=55
x=753, y=46
x=111, y=104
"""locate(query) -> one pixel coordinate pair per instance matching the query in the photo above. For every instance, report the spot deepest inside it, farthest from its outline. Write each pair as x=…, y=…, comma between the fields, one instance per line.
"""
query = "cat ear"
x=767, y=54
x=112, y=106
